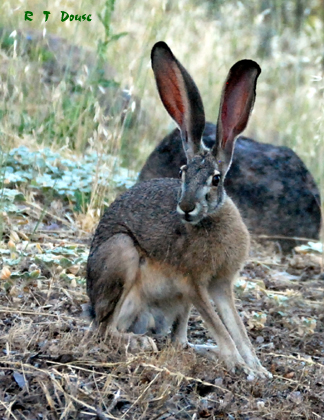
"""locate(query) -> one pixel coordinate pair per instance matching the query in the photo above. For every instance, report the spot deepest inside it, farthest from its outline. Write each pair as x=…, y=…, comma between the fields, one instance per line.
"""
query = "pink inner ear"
x=235, y=110
x=170, y=91
x=180, y=96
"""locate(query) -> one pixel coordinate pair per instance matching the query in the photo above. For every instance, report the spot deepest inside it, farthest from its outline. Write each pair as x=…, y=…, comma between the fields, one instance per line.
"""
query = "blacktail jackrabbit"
x=167, y=244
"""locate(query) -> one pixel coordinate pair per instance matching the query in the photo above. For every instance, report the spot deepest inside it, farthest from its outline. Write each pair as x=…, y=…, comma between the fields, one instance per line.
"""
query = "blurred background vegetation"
x=85, y=87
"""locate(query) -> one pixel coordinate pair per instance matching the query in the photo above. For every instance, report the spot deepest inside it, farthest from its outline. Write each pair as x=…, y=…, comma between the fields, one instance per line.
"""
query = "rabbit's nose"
x=186, y=208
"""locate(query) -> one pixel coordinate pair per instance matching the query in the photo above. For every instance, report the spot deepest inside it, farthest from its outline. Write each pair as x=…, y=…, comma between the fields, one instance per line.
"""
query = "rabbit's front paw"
x=233, y=361
x=258, y=370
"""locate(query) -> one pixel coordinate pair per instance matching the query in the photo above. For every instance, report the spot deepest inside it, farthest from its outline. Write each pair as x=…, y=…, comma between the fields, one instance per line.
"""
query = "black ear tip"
x=160, y=47
x=246, y=65
x=161, y=44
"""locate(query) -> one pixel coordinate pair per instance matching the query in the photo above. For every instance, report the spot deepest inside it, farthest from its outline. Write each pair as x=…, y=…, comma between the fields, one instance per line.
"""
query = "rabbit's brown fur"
x=167, y=244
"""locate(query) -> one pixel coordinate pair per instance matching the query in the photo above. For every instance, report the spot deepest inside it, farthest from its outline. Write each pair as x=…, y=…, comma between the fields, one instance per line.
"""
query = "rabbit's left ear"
x=180, y=97
x=236, y=104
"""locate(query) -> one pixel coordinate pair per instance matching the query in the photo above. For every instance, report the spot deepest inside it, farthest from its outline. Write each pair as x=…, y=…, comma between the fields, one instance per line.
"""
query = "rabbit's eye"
x=215, y=180
x=181, y=170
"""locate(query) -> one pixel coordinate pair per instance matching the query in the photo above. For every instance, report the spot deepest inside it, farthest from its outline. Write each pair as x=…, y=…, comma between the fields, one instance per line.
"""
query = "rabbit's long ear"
x=180, y=97
x=235, y=107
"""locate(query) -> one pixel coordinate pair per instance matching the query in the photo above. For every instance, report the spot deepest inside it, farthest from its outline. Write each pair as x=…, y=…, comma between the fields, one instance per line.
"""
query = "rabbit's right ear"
x=235, y=107
x=180, y=96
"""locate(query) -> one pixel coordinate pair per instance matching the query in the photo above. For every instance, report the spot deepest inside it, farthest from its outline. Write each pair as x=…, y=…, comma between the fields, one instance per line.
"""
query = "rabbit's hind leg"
x=113, y=277
x=112, y=271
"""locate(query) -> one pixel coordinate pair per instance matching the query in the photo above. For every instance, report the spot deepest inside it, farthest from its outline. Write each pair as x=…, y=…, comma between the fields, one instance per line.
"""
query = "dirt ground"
x=53, y=365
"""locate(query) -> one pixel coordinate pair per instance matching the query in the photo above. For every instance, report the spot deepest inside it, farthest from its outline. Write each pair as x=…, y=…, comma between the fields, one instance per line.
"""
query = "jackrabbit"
x=166, y=244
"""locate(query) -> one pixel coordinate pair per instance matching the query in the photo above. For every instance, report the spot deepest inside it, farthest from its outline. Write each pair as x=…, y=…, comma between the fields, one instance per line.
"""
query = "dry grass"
x=54, y=366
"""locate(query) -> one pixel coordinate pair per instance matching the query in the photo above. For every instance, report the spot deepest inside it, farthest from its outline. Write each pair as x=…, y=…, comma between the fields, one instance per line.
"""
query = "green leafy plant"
x=105, y=18
x=54, y=176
